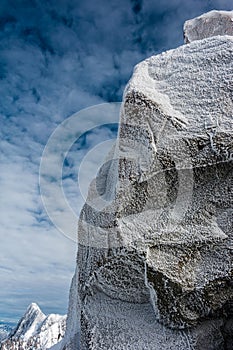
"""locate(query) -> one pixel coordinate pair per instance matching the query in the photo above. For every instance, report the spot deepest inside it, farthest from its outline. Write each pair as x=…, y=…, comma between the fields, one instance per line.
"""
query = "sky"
x=58, y=58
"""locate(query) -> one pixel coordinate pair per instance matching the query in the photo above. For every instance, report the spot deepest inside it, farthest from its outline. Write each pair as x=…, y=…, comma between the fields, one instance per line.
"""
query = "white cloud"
x=36, y=261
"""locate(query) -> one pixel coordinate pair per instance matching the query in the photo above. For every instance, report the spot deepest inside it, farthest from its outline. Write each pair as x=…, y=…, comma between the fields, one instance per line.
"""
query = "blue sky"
x=56, y=58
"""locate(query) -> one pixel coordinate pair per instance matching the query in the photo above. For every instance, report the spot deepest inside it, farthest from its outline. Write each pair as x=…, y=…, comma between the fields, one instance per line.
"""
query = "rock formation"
x=35, y=331
x=154, y=264
x=210, y=24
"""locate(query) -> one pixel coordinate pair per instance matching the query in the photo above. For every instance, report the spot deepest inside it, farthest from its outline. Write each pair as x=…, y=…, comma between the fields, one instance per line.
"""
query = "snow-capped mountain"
x=35, y=331
x=29, y=323
x=5, y=329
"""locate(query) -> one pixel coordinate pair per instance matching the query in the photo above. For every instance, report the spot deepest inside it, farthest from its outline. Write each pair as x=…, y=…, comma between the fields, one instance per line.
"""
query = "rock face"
x=35, y=331
x=154, y=265
x=210, y=24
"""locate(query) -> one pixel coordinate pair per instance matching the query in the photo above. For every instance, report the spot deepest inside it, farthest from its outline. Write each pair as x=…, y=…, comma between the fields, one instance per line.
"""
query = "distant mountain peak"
x=29, y=323
x=37, y=329
x=33, y=306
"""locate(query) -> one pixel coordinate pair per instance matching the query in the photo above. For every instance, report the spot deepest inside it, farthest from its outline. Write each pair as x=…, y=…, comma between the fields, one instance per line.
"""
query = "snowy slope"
x=5, y=329
x=29, y=323
x=51, y=330
x=35, y=331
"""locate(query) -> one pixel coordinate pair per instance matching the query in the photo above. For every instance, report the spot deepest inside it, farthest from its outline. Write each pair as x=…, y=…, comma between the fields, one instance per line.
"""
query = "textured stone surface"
x=210, y=24
x=154, y=265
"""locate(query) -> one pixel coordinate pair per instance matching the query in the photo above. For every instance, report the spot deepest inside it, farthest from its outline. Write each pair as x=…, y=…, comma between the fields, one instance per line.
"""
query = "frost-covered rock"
x=209, y=24
x=35, y=331
x=156, y=232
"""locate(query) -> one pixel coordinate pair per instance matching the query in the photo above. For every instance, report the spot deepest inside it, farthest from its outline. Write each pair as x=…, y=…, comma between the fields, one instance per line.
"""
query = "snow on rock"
x=51, y=330
x=35, y=331
x=29, y=323
x=209, y=24
x=154, y=266
x=5, y=330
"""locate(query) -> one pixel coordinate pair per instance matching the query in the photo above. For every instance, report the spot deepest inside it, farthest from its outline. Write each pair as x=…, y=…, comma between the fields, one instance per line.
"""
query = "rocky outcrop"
x=154, y=265
x=35, y=331
x=210, y=24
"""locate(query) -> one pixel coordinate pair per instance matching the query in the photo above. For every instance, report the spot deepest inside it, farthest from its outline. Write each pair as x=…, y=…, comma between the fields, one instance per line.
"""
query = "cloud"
x=36, y=261
x=58, y=57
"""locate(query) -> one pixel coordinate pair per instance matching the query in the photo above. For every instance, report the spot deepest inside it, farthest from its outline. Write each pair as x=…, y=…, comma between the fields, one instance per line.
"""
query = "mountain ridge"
x=35, y=331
